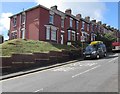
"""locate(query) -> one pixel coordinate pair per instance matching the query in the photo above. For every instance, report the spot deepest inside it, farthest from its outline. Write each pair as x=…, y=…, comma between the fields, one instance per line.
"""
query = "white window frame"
x=47, y=33
x=23, y=18
x=53, y=34
x=71, y=21
x=51, y=19
x=83, y=24
x=14, y=34
x=62, y=23
x=69, y=35
x=77, y=24
x=73, y=35
x=14, y=21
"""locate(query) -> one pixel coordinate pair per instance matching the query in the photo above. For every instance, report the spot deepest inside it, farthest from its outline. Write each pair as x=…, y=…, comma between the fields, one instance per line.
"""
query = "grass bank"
x=30, y=46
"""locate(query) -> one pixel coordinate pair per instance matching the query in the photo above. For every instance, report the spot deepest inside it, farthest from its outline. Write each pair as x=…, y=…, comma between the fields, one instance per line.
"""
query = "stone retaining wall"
x=18, y=62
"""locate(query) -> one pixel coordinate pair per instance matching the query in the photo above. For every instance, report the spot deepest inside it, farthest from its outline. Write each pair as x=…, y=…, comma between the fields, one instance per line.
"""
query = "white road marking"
x=64, y=69
x=72, y=67
x=86, y=71
x=44, y=71
x=39, y=90
x=112, y=60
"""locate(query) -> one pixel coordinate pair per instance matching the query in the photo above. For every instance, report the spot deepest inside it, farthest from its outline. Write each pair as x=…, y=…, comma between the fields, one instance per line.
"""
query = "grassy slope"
x=29, y=46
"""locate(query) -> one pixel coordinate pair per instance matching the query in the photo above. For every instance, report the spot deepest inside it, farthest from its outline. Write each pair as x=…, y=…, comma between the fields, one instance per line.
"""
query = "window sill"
x=14, y=25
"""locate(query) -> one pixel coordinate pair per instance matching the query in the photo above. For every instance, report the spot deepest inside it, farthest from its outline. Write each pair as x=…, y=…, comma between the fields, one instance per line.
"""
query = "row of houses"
x=53, y=25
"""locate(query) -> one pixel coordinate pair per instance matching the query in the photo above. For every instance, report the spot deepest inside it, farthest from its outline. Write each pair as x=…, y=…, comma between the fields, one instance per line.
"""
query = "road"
x=84, y=76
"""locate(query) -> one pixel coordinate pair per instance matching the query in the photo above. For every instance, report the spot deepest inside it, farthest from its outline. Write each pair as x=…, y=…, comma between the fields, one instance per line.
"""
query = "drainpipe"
x=57, y=36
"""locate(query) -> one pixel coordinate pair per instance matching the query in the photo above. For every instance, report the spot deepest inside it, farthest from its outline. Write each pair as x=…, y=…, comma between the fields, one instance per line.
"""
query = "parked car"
x=96, y=49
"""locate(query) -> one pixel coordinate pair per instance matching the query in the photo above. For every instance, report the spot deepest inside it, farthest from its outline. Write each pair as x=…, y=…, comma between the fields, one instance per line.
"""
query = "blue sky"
x=107, y=12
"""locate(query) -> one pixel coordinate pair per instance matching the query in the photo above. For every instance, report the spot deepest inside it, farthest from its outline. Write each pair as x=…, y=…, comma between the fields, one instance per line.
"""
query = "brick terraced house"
x=44, y=24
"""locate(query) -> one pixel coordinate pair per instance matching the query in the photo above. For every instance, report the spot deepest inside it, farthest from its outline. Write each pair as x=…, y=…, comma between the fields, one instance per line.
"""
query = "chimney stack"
x=87, y=18
x=68, y=11
x=94, y=21
x=99, y=22
x=108, y=26
x=104, y=24
x=78, y=16
x=54, y=7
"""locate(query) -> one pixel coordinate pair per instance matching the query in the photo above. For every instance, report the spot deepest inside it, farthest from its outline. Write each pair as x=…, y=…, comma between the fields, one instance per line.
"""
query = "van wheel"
x=98, y=56
x=105, y=55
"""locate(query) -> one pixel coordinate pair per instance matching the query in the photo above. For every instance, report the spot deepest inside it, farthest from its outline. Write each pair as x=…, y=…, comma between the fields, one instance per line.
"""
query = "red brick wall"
x=57, y=23
x=44, y=20
x=74, y=24
x=32, y=24
x=66, y=26
x=80, y=27
x=85, y=27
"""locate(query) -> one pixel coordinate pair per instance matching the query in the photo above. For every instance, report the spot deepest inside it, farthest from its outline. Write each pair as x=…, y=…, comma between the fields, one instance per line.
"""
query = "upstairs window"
x=71, y=22
x=14, y=21
x=23, y=18
x=83, y=24
x=62, y=23
x=77, y=24
x=51, y=19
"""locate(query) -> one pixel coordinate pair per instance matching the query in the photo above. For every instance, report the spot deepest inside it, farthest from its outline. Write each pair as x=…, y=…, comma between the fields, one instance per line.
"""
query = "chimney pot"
x=99, y=22
x=87, y=18
x=68, y=11
x=78, y=16
x=94, y=21
x=54, y=7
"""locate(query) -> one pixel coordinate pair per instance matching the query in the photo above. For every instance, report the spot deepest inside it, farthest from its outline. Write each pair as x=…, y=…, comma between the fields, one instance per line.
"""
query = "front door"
x=62, y=38
x=23, y=34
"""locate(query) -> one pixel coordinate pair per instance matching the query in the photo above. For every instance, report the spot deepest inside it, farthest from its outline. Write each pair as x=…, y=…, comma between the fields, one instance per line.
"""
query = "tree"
x=107, y=39
x=110, y=36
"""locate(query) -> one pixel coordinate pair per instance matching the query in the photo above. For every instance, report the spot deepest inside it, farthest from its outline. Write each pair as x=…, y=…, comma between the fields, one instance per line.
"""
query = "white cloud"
x=93, y=8
x=4, y=22
x=49, y=3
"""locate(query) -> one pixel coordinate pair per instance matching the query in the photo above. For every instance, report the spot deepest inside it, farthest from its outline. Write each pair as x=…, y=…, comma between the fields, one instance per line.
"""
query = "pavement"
x=100, y=75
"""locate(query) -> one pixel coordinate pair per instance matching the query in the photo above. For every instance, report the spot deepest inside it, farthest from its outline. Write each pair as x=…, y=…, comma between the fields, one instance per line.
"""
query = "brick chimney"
x=78, y=16
x=104, y=24
x=94, y=21
x=87, y=18
x=108, y=26
x=54, y=7
x=68, y=11
x=99, y=22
